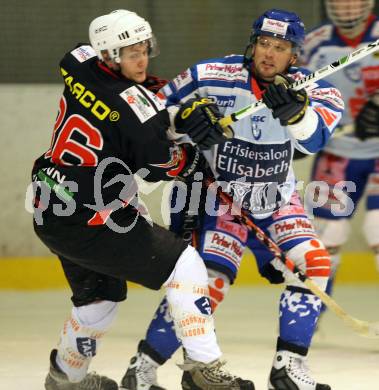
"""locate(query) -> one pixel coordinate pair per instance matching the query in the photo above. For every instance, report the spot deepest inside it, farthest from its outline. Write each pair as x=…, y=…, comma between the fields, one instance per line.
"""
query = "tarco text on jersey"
x=85, y=97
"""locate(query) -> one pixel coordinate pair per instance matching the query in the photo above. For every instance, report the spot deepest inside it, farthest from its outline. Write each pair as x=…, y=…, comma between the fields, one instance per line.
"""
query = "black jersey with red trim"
x=107, y=128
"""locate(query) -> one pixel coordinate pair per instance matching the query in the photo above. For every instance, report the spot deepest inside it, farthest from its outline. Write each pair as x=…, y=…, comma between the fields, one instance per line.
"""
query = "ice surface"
x=30, y=323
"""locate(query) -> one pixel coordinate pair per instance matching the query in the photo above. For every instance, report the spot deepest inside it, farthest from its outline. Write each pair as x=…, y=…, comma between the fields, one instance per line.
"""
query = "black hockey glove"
x=367, y=121
x=198, y=118
x=154, y=84
x=285, y=103
x=192, y=160
x=273, y=275
x=297, y=155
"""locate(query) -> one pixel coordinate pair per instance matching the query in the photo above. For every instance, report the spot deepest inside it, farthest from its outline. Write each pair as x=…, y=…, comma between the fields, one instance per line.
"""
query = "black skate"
x=290, y=372
x=141, y=374
x=58, y=380
x=211, y=376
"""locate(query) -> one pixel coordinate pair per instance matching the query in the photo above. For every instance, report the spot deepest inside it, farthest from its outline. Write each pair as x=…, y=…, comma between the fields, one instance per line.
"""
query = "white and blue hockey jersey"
x=256, y=165
x=356, y=82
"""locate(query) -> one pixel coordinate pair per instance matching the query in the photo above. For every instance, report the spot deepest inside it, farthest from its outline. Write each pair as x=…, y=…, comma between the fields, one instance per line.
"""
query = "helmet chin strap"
x=247, y=59
x=112, y=66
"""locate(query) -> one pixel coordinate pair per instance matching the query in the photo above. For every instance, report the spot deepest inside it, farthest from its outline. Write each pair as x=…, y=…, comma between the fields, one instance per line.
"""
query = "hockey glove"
x=367, y=121
x=285, y=103
x=273, y=275
x=192, y=161
x=297, y=155
x=198, y=118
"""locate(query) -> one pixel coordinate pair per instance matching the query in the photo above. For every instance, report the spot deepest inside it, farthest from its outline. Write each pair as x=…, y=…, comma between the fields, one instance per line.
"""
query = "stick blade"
x=365, y=329
x=373, y=330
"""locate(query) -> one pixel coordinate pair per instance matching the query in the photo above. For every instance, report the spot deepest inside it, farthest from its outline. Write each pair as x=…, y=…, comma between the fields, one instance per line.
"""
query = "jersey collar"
x=107, y=70
x=257, y=85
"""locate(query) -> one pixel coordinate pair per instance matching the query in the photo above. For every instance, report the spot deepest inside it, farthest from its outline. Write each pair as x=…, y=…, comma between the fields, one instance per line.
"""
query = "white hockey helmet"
x=119, y=29
x=348, y=14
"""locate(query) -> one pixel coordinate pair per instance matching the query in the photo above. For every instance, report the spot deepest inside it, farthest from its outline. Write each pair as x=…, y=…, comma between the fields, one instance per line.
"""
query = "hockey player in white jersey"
x=256, y=168
x=350, y=160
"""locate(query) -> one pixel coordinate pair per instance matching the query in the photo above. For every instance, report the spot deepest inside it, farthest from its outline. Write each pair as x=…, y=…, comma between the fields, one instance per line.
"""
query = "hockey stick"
x=302, y=83
x=363, y=328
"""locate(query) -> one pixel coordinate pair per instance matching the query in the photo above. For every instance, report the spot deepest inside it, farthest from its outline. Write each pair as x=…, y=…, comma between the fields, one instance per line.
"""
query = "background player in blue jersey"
x=256, y=169
x=349, y=163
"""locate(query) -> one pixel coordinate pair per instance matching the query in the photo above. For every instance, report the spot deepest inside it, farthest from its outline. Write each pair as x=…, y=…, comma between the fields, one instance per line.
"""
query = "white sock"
x=188, y=297
x=81, y=335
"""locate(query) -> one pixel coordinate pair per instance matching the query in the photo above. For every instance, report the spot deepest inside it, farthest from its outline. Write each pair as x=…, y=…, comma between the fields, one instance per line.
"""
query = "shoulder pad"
x=181, y=80
x=225, y=69
x=298, y=73
x=315, y=37
x=143, y=103
x=319, y=34
x=83, y=53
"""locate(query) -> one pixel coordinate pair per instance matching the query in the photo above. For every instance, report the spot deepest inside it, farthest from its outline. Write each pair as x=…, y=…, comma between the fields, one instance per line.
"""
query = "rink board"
x=46, y=273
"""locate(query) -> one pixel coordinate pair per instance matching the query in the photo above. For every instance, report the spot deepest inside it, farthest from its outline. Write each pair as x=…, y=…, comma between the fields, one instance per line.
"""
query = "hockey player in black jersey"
x=109, y=127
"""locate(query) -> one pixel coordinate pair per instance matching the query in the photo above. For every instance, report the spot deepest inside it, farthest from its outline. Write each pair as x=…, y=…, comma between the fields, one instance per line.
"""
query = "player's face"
x=134, y=62
x=347, y=10
x=271, y=56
